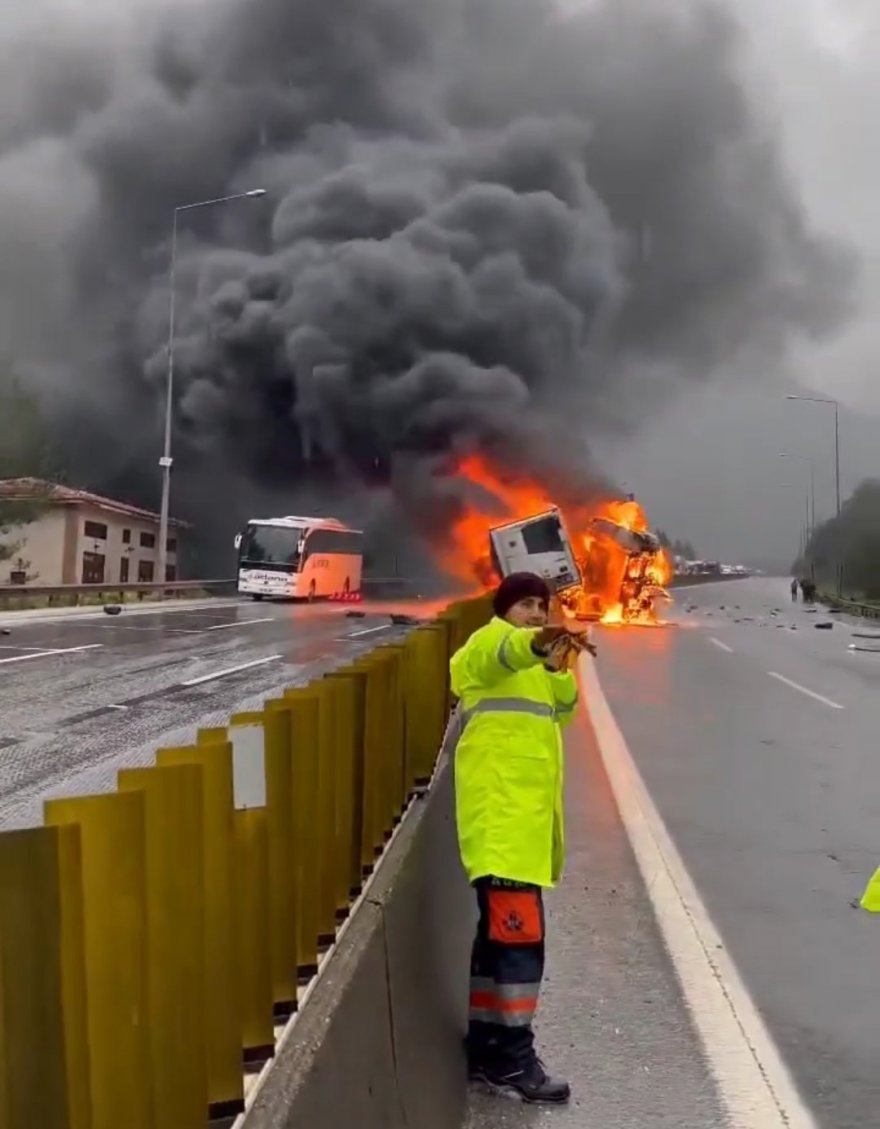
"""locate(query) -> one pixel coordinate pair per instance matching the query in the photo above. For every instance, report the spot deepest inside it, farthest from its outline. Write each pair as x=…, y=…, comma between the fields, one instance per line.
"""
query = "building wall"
x=41, y=545
x=64, y=547
x=115, y=549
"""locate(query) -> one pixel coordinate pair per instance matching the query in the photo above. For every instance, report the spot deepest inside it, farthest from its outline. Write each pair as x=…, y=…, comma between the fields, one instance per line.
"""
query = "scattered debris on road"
x=112, y=609
x=823, y=626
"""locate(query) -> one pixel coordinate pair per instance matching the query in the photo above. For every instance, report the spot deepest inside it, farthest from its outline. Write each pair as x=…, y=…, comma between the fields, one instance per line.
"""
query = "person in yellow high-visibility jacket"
x=515, y=695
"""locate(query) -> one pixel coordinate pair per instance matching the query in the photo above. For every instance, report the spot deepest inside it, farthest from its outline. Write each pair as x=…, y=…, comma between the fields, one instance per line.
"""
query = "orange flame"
x=618, y=587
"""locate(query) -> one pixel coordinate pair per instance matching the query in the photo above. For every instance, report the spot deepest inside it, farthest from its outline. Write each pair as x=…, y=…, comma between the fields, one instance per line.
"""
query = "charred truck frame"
x=614, y=578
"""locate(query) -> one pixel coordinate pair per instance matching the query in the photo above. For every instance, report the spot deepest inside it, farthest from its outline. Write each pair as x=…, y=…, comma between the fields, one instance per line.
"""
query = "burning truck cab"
x=539, y=544
x=624, y=571
x=616, y=575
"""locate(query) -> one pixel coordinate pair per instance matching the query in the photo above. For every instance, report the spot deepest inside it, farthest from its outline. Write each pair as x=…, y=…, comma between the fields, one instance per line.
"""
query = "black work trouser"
x=507, y=965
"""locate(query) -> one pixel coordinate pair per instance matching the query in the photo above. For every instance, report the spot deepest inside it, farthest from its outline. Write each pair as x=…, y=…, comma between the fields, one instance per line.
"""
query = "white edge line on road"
x=803, y=690
x=369, y=631
x=753, y=1082
x=721, y=646
x=229, y=670
x=239, y=623
x=53, y=651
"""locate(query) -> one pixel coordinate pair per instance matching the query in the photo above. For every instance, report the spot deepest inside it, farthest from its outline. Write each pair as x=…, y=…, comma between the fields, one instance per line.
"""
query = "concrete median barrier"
x=379, y=1044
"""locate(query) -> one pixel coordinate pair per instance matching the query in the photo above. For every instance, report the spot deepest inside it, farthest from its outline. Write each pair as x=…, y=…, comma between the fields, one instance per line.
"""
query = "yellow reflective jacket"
x=508, y=756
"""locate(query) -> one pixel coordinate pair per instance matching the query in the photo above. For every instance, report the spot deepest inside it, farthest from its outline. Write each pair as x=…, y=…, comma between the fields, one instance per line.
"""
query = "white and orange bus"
x=303, y=558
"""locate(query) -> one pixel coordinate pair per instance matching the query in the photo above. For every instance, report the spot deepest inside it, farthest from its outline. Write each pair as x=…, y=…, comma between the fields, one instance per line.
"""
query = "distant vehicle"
x=538, y=544
x=304, y=558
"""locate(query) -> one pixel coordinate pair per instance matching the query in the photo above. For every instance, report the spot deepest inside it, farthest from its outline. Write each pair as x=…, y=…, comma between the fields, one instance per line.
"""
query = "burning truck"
x=616, y=575
x=601, y=558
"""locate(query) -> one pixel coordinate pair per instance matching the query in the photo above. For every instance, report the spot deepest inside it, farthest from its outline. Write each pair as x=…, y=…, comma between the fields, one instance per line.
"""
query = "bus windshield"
x=271, y=545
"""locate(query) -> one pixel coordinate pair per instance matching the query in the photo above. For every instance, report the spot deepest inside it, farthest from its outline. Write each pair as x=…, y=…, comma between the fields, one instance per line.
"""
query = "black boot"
x=530, y=1082
x=480, y=1055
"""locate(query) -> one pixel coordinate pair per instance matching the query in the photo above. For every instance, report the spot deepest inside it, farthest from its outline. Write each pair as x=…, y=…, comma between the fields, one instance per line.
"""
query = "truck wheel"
x=256, y=597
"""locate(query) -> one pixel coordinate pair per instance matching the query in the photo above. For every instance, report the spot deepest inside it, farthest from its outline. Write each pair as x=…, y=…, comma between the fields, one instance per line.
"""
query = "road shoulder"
x=613, y=1018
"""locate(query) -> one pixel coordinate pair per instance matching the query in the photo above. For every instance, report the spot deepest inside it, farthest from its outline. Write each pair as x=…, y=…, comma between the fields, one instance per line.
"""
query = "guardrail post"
x=175, y=883
x=355, y=679
x=260, y=742
x=345, y=686
x=282, y=863
x=251, y=926
x=326, y=814
x=304, y=732
x=113, y=865
x=223, y=1025
x=44, y=1060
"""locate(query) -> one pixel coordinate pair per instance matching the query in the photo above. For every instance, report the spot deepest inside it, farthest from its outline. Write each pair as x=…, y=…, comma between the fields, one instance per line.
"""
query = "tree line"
x=25, y=452
x=850, y=543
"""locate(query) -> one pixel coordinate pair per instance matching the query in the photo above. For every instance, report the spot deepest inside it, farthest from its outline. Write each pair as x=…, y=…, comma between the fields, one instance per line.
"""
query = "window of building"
x=148, y=541
x=126, y=537
x=170, y=573
x=172, y=544
x=145, y=572
x=93, y=568
x=96, y=529
x=123, y=571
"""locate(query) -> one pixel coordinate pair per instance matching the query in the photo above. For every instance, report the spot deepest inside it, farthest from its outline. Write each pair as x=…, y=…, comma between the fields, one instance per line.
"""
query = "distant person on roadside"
x=515, y=694
x=794, y=590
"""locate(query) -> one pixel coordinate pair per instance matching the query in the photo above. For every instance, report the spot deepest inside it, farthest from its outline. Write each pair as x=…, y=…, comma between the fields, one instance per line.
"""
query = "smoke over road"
x=487, y=226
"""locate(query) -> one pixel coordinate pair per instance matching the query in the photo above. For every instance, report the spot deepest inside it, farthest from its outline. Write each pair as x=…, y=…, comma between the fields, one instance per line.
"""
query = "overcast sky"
x=709, y=468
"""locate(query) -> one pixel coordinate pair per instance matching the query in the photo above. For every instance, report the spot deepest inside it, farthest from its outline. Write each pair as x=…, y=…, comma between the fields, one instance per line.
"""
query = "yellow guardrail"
x=151, y=938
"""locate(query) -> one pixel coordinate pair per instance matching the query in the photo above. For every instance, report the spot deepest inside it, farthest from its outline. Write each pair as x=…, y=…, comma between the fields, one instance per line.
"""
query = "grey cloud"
x=487, y=228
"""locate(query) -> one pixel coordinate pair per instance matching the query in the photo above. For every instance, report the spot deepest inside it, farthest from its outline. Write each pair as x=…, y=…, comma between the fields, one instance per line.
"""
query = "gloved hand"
x=547, y=637
x=562, y=645
x=564, y=653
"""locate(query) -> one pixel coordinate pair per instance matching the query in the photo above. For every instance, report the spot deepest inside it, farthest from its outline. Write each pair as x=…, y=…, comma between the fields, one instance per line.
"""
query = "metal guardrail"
x=71, y=595
x=853, y=607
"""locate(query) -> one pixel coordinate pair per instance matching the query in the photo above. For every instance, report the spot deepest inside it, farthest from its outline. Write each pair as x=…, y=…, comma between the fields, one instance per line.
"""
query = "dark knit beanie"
x=519, y=586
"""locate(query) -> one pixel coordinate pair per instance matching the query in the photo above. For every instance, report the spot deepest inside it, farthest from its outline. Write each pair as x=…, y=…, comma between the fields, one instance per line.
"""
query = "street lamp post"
x=166, y=461
x=805, y=532
x=812, y=465
x=834, y=404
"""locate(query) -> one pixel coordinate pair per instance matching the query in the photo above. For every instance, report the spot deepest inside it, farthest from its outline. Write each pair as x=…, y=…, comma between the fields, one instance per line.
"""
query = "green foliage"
x=850, y=542
x=24, y=453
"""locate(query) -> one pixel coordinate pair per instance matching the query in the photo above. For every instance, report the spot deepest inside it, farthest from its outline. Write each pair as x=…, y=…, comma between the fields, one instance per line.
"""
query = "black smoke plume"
x=489, y=226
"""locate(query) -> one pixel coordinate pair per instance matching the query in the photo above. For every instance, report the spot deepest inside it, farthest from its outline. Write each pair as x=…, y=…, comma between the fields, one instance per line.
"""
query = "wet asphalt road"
x=80, y=697
x=770, y=790
x=757, y=737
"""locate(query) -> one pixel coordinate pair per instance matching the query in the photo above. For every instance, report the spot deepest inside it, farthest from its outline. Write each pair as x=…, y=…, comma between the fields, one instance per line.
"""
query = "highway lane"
x=80, y=697
x=756, y=735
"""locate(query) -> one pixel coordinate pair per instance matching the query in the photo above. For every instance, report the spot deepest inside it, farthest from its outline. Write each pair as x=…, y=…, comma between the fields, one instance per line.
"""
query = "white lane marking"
x=230, y=670
x=803, y=690
x=721, y=646
x=112, y=707
x=753, y=1081
x=54, y=651
x=13, y=647
x=369, y=631
x=240, y=623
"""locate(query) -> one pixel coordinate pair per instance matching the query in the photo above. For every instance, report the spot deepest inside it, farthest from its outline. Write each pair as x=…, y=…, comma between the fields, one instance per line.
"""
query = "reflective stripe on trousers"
x=508, y=1005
